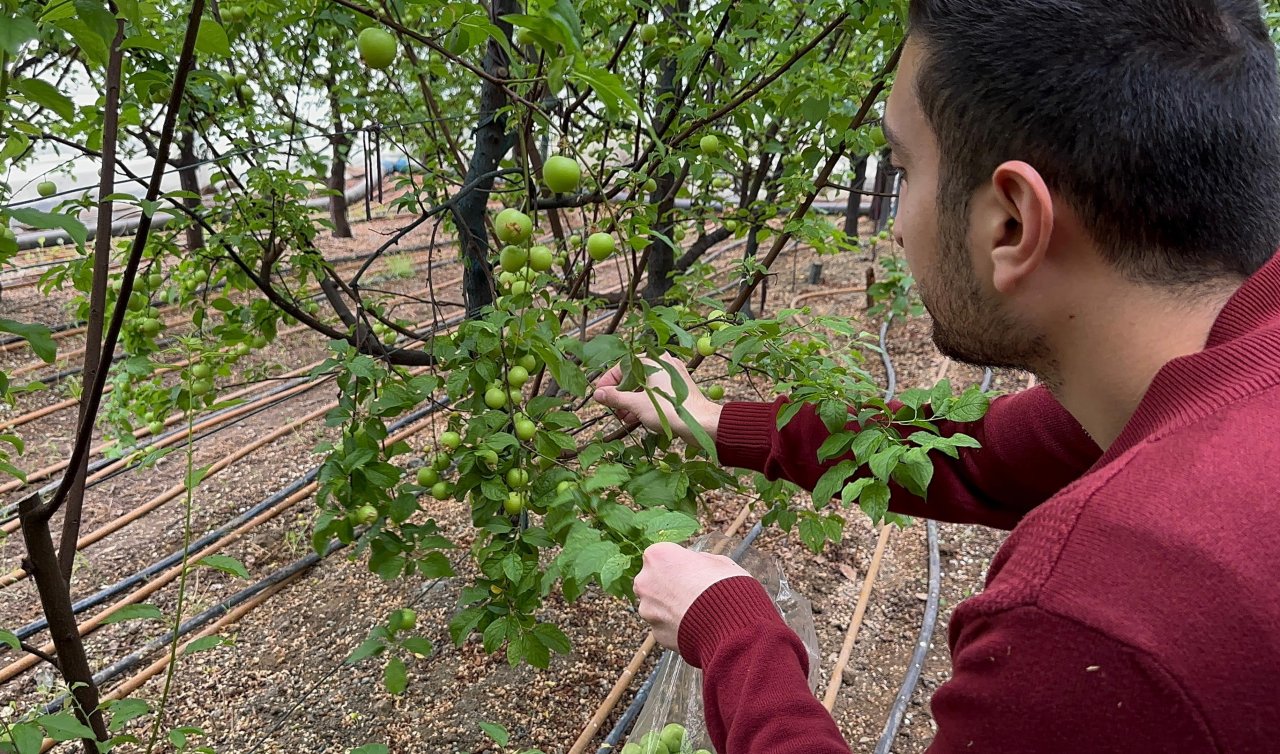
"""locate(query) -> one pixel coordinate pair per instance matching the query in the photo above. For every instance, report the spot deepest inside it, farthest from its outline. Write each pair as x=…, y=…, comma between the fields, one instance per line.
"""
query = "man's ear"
x=1014, y=224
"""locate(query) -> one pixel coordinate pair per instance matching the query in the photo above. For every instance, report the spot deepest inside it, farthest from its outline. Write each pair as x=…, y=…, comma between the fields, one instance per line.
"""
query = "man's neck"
x=1111, y=348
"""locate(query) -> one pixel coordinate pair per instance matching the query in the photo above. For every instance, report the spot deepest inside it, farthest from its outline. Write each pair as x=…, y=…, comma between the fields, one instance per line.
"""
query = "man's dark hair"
x=1158, y=121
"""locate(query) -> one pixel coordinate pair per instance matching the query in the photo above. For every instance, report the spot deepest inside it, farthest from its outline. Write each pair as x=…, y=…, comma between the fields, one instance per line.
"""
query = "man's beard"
x=968, y=326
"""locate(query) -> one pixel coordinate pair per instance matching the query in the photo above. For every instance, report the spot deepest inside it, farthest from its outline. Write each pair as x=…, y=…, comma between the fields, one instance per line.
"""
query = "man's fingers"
x=611, y=377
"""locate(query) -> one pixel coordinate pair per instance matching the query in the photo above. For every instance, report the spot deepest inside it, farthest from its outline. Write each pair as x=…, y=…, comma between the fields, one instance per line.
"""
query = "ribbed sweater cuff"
x=743, y=434
x=726, y=608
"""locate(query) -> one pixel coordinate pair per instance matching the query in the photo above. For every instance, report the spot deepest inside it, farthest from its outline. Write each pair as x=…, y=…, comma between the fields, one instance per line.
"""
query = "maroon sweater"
x=1135, y=606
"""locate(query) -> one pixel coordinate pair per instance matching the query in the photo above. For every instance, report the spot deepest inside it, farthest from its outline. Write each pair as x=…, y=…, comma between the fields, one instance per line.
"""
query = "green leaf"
x=50, y=220
x=608, y=87
x=125, y=710
x=613, y=569
x=914, y=472
x=64, y=726
x=462, y=624
x=914, y=398
x=395, y=677
x=669, y=526
x=495, y=634
x=10, y=639
x=831, y=482
x=47, y=95
x=26, y=737
x=883, y=463
x=211, y=39
x=498, y=733
x=835, y=445
x=874, y=500
x=371, y=646
x=606, y=475
x=552, y=638
x=971, y=406
x=812, y=533
x=37, y=336
x=867, y=442
x=834, y=414
x=418, y=645
x=224, y=563
x=853, y=489
x=940, y=394
x=204, y=643
x=15, y=31
x=134, y=612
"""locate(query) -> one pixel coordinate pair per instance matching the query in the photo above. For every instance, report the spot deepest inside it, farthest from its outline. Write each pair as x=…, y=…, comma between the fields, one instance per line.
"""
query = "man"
x=1091, y=191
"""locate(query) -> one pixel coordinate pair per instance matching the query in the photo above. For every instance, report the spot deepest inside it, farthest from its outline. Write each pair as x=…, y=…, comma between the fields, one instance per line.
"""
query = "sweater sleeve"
x=1028, y=680
x=755, y=686
x=1031, y=449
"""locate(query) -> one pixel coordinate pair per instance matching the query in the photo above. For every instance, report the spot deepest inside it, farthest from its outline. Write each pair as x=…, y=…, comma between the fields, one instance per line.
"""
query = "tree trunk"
x=854, y=209
x=492, y=142
x=189, y=179
x=662, y=254
x=338, y=184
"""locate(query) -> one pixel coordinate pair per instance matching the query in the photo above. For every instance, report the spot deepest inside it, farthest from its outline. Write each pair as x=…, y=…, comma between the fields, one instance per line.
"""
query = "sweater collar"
x=1241, y=356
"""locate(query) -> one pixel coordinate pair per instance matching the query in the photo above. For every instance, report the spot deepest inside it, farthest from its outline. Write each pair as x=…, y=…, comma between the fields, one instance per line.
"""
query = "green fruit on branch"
x=513, y=226
x=517, y=478
x=651, y=185
x=704, y=346
x=138, y=301
x=201, y=387
x=519, y=287
x=377, y=47
x=564, y=487
x=202, y=371
x=241, y=349
x=404, y=619
x=600, y=246
x=525, y=429
x=488, y=457
x=731, y=225
x=513, y=504
x=150, y=327
x=450, y=440
x=703, y=39
x=440, y=490
x=513, y=258
x=717, y=320
x=155, y=280
x=155, y=427
x=540, y=258
x=427, y=476
x=648, y=33
x=521, y=37
x=46, y=188
x=715, y=392
x=441, y=461
x=495, y=398
x=710, y=145
x=201, y=277
x=233, y=14
x=364, y=515
x=528, y=361
x=561, y=174
x=515, y=395
x=517, y=376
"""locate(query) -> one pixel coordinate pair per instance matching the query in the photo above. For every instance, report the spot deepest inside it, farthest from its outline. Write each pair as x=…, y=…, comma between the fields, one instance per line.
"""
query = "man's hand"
x=637, y=405
x=670, y=582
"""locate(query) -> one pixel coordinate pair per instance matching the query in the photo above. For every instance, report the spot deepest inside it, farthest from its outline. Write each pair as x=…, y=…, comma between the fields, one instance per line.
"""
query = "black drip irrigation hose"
x=899, y=709
x=629, y=716
x=135, y=658
x=174, y=558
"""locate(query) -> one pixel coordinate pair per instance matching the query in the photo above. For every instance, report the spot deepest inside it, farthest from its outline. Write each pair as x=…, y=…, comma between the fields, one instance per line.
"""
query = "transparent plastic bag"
x=676, y=695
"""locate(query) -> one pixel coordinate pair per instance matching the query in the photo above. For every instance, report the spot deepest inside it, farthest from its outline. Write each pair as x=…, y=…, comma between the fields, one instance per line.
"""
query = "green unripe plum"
x=404, y=619
x=233, y=14
x=450, y=439
x=561, y=174
x=515, y=395
x=517, y=376
x=525, y=429
x=632, y=749
x=519, y=287
x=46, y=188
x=495, y=398
x=138, y=301
x=679, y=233
x=150, y=327
x=715, y=392
x=521, y=37
x=651, y=743
x=717, y=319
x=201, y=387
x=651, y=185
x=540, y=258
x=564, y=487
x=377, y=47
x=703, y=39
x=648, y=33
x=440, y=490
x=704, y=346
x=441, y=461
x=517, y=478
x=513, y=258
x=710, y=145
x=202, y=371
x=513, y=226
x=155, y=280
x=731, y=225
x=507, y=278
x=427, y=476
x=200, y=276
x=600, y=246
x=528, y=361
x=364, y=515
x=259, y=341
x=488, y=457
x=513, y=504
x=241, y=349
x=155, y=427
x=673, y=736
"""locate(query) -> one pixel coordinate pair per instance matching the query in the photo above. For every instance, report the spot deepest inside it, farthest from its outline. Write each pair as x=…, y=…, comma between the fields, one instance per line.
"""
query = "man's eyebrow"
x=892, y=138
